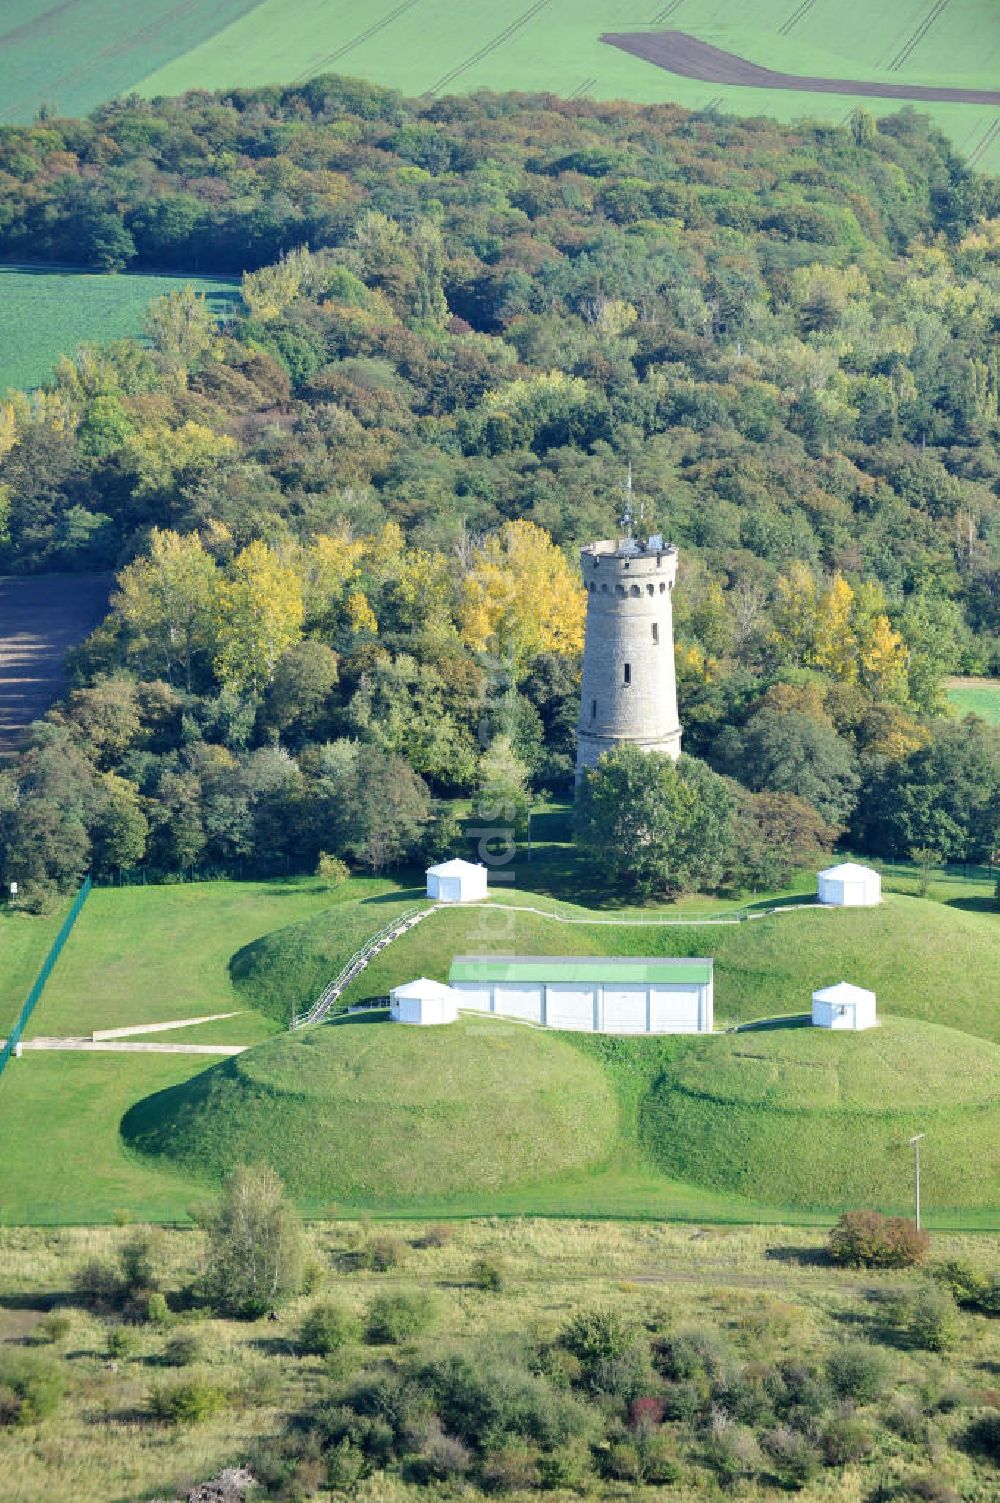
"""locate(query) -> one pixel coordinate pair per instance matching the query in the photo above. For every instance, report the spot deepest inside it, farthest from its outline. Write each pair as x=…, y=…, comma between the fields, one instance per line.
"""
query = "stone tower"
x=629, y=692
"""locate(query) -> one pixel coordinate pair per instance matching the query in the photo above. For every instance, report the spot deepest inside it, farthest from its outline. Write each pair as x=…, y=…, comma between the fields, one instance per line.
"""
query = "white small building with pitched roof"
x=844, y=1006
x=457, y=881
x=850, y=886
x=423, y=1002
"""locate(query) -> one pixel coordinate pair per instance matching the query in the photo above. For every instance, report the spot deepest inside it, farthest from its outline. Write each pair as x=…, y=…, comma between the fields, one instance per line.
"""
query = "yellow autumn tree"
x=170, y=602
x=521, y=597
x=327, y=568
x=883, y=660
x=834, y=646
x=793, y=617
x=262, y=615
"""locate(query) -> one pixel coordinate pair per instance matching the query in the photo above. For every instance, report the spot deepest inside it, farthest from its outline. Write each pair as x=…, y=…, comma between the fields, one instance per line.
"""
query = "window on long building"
x=628, y=673
x=656, y=634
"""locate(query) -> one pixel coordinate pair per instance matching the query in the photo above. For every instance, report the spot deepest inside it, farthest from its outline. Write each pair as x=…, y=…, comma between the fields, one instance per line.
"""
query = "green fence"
x=31, y=1001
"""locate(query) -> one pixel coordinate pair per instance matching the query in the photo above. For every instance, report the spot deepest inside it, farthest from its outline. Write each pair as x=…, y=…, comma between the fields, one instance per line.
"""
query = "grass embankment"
x=47, y=314
x=923, y=959
x=763, y=1293
x=976, y=696
x=282, y=972
x=364, y=1111
x=807, y=1117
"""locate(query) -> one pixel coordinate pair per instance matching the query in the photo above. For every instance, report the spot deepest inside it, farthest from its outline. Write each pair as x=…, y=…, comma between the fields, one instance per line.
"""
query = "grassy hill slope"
x=924, y=960
x=817, y=1118
x=363, y=1109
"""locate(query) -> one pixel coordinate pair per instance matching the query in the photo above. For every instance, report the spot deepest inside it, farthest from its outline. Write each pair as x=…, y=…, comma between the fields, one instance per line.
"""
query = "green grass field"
x=456, y=46
x=45, y=314
x=976, y=696
x=145, y=955
x=24, y=944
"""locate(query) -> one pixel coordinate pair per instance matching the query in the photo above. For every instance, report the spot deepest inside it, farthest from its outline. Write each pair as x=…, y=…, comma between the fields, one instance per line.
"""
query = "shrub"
x=384, y=1253
x=397, y=1317
x=732, y=1452
x=845, y=1439
x=792, y=1456
x=970, y=1287
x=511, y=1468
x=866, y=1239
x=857, y=1371
x=157, y=1310
x=345, y=1466
x=324, y=1329
x=187, y=1403
x=122, y=1342
x=31, y=1387
x=982, y=1435
x=96, y=1283
x=183, y=1349
x=927, y=1319
x=332, y=869
x=907, y=1420
x=489, y=1273
x=612, y=1352
x=53, y=1328
x=437, y=1235
x=135, y=1259
x=440, y=1457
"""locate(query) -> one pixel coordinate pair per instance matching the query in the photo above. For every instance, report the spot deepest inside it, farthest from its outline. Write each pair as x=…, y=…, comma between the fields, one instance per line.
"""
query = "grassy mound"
x=924, y=960
x=814, y=1118
x=282, y=972
x=372, y=1111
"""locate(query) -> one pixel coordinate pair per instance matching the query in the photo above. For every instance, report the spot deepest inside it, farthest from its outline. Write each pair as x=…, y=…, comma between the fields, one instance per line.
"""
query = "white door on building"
x=476, y=998
x=625, y=1009
x=674, y=1009
x=519, y=1000
x=568, y=1006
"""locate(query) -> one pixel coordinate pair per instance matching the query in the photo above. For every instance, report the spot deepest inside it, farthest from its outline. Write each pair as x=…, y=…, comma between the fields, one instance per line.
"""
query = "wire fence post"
x=48, y=964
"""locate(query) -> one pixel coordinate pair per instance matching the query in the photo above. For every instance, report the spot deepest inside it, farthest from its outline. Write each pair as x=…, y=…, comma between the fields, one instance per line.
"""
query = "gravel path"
x=96, y=1046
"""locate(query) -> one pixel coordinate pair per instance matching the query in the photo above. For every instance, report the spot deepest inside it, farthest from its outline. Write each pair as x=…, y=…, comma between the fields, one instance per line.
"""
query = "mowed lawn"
x=63, y=1158
x=161, y=954
x=46, y=314
x=24, y=944
x=976, y=696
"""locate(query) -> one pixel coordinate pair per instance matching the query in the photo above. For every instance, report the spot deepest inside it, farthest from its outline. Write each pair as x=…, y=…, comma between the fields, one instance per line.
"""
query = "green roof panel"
x=600, y=969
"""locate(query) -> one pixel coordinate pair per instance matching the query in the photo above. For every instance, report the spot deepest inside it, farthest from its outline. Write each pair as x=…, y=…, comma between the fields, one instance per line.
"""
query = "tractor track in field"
x=501, y=37
x=797, y=15
x=677, y=52
x=917, y=36
x=355, y=41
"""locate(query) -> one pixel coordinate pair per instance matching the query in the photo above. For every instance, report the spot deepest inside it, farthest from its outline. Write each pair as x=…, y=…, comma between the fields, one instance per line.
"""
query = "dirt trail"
x=676, y=52
x=41, y=618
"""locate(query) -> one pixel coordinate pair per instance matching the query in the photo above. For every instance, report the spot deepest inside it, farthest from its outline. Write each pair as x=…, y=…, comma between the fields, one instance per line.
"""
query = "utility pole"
x=916, y=1176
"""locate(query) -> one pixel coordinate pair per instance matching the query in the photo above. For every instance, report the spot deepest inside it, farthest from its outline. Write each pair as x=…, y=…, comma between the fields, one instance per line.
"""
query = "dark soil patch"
x=41, y=618
x=676, y=52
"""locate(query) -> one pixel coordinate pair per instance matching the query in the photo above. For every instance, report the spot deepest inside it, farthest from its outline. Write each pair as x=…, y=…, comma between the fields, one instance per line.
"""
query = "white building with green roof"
x=589, y=993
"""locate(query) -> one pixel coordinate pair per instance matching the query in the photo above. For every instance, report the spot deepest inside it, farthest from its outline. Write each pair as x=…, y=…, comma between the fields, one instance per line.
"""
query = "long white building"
x=592, y=994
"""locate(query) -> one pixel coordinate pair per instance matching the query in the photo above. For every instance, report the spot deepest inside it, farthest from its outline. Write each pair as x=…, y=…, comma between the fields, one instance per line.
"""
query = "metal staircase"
x=357, y=963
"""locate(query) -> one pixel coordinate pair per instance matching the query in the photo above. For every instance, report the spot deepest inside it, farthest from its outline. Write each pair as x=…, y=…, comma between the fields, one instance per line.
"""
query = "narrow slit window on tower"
x=593, y=709
x=656, y=634
x=628, y=673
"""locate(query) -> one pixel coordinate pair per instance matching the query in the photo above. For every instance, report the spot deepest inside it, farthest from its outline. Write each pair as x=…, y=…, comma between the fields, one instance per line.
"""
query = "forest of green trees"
x=346, y=522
